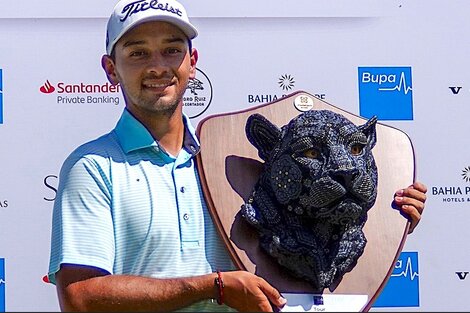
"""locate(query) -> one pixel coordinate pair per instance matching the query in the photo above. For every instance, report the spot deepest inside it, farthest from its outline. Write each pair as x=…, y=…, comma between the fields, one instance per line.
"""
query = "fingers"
x=416, y=191
x=411, y=201
x=247, y=292
x=272, y=294
x=419, y=186
x=414, y=195
x=414, y=216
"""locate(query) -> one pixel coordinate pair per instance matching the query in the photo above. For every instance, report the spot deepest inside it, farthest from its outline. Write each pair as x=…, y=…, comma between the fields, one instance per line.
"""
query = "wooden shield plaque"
x=229, y=167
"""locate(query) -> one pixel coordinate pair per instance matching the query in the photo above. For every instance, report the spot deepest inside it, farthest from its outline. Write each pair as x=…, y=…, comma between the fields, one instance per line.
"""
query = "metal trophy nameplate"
x=230, y=166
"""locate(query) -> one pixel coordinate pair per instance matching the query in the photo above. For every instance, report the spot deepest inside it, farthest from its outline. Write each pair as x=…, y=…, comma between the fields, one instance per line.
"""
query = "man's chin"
x=168, y=107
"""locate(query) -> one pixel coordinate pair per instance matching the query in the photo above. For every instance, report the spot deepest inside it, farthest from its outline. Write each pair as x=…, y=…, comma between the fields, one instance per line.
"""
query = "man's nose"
x=157, y=64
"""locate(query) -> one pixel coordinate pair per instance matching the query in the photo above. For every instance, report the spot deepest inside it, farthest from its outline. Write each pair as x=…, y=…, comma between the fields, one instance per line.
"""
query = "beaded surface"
x=310, y=202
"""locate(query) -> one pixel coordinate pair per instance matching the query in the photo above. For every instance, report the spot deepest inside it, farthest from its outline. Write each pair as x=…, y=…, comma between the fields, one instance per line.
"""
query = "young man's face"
x=153, y=65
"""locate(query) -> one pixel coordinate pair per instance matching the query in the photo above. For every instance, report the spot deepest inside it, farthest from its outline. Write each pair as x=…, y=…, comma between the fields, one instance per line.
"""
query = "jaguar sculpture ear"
x=368, y=129
x=262, y=134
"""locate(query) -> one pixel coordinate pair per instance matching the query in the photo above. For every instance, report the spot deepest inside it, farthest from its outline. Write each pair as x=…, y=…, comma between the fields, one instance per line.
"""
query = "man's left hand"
x=411, y=202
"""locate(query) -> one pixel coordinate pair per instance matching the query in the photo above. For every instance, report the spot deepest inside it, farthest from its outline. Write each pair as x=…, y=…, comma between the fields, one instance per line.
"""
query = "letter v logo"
x=455, y=90
x=462, y=275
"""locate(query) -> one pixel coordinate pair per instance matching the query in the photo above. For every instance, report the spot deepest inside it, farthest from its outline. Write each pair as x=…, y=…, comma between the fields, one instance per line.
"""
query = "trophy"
x=301, y=193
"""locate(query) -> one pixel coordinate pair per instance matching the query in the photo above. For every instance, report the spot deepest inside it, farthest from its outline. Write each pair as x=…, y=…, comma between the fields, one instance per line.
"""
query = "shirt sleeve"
x=82, y=224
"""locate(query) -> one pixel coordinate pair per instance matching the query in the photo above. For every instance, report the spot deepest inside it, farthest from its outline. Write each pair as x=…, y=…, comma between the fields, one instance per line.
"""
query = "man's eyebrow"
x=140, y=42
x=176, y=39
x=133, y=43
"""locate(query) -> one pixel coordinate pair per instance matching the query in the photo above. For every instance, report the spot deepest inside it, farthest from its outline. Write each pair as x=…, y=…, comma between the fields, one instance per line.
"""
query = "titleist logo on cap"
x=143, y=5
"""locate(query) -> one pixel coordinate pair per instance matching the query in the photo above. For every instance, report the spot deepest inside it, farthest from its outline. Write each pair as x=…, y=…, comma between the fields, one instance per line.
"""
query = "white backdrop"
x=249, y=53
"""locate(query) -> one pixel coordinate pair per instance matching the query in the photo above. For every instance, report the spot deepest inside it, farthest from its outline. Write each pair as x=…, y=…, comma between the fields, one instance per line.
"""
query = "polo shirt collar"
x=133, y=135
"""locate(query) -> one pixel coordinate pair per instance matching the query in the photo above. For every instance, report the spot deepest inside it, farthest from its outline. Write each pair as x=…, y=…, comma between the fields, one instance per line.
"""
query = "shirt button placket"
x=185, y=215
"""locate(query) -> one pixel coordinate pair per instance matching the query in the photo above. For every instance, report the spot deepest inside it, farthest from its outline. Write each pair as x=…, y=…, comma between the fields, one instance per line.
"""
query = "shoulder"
x=97, y=153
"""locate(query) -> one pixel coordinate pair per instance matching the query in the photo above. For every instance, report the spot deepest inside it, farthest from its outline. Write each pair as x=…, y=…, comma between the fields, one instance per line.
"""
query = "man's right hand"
x=247, y=292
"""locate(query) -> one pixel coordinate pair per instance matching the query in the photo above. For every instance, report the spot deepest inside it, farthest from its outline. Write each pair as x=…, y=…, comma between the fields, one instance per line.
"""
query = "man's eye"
x=137, y=53
x=311, y=153
x=356, y=149
x=173, y=50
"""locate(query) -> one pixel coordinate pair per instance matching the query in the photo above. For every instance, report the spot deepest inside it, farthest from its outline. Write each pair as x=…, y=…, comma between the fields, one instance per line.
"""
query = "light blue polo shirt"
x=126, y=206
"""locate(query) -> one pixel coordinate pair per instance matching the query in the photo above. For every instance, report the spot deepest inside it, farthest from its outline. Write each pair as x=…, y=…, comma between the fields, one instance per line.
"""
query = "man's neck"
x=170, y=136
x=167, y=129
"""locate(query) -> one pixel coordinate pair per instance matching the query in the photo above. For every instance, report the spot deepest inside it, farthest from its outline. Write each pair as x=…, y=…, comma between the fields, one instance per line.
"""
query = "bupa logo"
x=2, y=285
x=1, y=97
x=402, y=289
x=386, y=92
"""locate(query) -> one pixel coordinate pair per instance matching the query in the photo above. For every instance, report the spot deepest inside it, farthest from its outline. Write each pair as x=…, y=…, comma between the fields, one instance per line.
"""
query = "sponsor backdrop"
x=406, y=62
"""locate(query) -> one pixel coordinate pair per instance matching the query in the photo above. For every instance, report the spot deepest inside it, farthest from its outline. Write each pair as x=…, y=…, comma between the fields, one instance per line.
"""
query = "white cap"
x=130, y=13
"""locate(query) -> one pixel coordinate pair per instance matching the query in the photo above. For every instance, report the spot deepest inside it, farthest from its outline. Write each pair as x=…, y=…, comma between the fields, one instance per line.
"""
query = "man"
x=131, y=231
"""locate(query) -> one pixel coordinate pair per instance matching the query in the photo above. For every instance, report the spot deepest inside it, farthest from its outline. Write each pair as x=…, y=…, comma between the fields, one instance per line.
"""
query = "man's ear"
x=110, y=69
x=193, y=60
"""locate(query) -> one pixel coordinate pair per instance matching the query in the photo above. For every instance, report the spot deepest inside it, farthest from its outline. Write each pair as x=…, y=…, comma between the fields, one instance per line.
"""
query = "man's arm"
x=411, y=202
x=82, y=288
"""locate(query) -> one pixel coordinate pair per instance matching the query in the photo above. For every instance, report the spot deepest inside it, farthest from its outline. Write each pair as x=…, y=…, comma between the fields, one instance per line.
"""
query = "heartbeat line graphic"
x=2, y=282
x=401, y=84
x=408, y=270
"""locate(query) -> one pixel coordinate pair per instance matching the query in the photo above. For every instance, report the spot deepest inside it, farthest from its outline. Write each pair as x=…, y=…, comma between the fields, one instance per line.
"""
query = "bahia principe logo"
x=286, y=82
x=466, y=174
x=386, y=92
x=455, y=193
x=81, y=93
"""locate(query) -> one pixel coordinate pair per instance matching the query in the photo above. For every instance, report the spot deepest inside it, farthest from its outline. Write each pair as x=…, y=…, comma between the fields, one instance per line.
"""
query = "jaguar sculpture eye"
x=310, y=203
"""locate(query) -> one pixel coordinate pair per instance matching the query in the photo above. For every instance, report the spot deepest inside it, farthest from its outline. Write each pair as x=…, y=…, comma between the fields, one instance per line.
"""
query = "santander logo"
x=47, y=88
x=66, y=88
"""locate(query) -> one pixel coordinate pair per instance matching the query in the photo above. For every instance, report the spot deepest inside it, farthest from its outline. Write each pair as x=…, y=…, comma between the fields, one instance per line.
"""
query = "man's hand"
x=247, y=292
x=411, y=202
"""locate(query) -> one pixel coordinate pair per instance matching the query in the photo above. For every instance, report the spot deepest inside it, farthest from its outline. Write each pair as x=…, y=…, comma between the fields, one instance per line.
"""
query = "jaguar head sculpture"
x=310, y=203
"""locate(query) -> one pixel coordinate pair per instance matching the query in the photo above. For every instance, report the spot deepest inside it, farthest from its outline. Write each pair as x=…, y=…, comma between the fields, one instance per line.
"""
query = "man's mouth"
x=158, y=86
